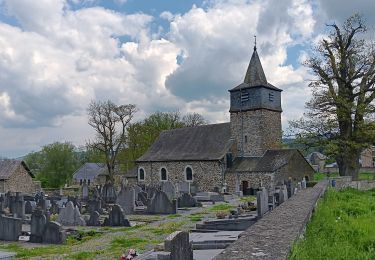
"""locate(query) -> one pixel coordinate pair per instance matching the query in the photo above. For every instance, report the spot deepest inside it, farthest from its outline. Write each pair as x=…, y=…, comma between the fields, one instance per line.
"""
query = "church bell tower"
x=255, y=112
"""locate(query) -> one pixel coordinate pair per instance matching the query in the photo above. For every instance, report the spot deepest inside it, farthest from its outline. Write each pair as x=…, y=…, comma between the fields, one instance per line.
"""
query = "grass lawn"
x=362, y=176
x=341, y=228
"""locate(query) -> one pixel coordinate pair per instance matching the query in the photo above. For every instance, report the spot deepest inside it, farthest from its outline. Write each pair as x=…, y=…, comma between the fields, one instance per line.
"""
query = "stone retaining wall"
x=273, y=235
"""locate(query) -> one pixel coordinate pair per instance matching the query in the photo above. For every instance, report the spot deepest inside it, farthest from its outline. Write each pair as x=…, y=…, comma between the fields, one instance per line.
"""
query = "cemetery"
x=107, y=222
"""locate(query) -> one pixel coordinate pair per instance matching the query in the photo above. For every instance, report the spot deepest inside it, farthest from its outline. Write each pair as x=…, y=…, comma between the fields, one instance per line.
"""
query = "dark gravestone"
x=38, y=222
x=290, y=188
x=94, y=205
x=53, y=233
x=28, y=207
x=116, y=217
x=85, y=191
x=108, y=193
x=142, y=196
x=94, y=219
x=160, y=204
x=126, y=199
x=10, y=228
x=55, y=209
x=186, y=201
x=179, y=245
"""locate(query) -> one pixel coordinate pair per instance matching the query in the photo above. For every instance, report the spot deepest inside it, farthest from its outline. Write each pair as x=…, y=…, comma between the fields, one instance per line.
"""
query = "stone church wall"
x=253, y=178
x=206, y=174
x=20, y=181
x=262, y=129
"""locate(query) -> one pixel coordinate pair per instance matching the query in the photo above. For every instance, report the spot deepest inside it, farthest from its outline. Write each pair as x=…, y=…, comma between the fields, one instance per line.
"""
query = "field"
x=341, y=228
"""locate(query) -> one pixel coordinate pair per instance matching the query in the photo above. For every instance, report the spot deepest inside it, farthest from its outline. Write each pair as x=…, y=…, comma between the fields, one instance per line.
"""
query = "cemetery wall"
x=273, y=235
x=253, y=178
x=20, y=181
x=206, y=174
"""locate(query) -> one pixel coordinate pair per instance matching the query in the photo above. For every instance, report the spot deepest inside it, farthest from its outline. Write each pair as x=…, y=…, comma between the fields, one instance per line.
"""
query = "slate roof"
x=199, y=143
x=255, y=76
x=271, y=161
x=90, y=171
x=8, y=167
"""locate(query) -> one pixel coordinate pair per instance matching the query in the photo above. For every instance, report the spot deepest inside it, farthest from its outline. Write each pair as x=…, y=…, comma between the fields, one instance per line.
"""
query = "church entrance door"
x=245, y=187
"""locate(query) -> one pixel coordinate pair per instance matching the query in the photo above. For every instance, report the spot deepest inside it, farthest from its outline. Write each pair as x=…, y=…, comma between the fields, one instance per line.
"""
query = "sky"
x=162, y=55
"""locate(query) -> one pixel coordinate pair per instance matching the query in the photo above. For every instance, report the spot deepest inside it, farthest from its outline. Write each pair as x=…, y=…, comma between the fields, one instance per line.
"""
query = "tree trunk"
x=348, y=164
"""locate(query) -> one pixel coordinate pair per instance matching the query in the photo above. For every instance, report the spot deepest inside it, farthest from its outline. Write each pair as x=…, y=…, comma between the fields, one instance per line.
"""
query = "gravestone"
x=28, y=207
x=137, y=190
x=262, y=202
x=126, y=199
x=116, y=217
x=10, y=228
x=160, y=204
x=70, y=216
x=17, y=205
x=94, y=205
x=38, y=222
x=283, y=194
x=85, y=191
x=303, y=183
x=142, y=196
x=108, y=193
x=186, y=201
x=53, y=233
x=184, y=187
x=55, y=209
x=169, y=189
x=179, y=245
x=290, y=188
x=94, y=219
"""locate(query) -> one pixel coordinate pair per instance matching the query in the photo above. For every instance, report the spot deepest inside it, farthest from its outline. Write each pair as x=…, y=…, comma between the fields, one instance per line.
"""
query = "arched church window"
x=163, y=174
x=189, y=173
x=141, y=174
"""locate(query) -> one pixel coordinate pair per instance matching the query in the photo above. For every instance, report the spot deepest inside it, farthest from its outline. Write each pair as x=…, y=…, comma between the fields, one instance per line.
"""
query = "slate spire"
x=255, y=74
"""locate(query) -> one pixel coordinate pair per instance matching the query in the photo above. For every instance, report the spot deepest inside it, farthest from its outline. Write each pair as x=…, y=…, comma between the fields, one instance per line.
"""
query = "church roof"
x=271, y=161
x=199, y=143
x=8, y=167
x=255, y=76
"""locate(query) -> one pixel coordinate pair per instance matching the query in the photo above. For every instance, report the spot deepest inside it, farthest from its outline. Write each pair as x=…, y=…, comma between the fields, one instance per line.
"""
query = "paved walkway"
x=272, y=236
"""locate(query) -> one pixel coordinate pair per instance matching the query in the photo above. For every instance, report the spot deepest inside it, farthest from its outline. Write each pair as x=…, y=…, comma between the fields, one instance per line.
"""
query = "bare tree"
x=343, y=95
x=194, y=119
x=110, y=123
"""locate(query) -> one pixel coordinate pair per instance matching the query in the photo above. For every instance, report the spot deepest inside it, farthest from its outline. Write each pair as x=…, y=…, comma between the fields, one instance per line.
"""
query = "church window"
x=270, y=97
x=244, y=96
x=141, y=174
x=163, y=174
x=245, y=138
x=188, y=173
x=80, y=182
x=88, y=182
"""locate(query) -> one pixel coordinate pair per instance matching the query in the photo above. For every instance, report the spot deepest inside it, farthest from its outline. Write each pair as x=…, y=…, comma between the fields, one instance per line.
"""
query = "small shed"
x=15, y=176
x=91, y=173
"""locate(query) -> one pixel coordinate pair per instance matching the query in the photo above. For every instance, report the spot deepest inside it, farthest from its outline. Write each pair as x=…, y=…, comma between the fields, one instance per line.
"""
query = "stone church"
x=237, y=156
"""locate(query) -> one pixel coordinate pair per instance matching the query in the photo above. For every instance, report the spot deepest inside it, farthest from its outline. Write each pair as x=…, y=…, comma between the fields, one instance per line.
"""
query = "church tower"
x=255, y=112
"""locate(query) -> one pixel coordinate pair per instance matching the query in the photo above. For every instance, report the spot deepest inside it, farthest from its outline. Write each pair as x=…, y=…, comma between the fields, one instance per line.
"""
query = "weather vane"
x=255, y=42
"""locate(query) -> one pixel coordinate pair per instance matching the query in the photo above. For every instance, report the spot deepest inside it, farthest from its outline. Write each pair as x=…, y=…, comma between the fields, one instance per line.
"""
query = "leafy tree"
x=142, y=134
x=110, y=124
x=339, y=113
x=54, y=165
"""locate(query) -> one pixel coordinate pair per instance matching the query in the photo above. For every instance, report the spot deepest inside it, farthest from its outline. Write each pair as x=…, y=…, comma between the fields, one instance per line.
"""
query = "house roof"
x=199, y=143
x=255, y=76
x=271, y=161
x=8, y=167
x=90, y=171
